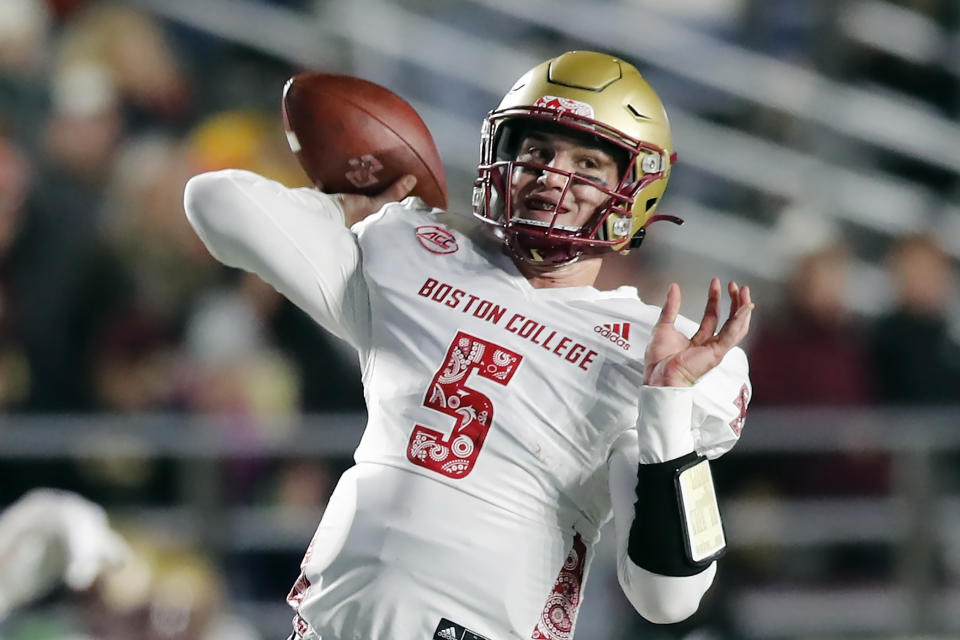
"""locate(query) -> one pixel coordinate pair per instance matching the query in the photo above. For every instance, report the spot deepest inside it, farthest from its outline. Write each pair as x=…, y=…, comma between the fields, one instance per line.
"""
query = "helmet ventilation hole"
x=636, y=113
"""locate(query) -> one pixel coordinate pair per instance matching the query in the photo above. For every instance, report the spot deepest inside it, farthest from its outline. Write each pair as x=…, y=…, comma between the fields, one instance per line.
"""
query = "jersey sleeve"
x=295, y=239
x=658, y=598
x=720, y=405
x=720, y=401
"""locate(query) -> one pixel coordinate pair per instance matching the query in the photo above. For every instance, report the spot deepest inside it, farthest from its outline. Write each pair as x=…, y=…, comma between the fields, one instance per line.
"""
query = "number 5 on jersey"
x=448, y=393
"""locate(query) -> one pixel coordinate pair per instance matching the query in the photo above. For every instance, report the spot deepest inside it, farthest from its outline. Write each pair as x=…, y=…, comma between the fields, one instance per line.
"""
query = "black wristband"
x=658, y=536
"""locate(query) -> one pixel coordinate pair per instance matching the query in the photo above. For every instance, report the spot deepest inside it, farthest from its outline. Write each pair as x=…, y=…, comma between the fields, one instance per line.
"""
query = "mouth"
x=543, y=204
x=542, y=211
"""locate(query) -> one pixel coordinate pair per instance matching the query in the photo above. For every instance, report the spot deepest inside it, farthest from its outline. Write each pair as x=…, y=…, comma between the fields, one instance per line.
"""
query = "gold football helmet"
x=605, y=102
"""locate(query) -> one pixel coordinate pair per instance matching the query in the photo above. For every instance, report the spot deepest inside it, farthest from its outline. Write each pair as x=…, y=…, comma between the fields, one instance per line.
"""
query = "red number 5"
x=455, y=456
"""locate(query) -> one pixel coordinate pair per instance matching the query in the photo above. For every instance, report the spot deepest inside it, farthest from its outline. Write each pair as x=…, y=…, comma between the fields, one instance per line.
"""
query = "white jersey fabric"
x=505, y=422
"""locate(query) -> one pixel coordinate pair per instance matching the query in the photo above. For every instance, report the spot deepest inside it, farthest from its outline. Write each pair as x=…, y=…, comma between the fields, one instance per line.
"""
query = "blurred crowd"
x=109, y=304
x=109, y=301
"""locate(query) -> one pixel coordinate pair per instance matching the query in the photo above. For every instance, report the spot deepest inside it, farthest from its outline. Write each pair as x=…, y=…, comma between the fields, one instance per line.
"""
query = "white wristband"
x=663, y=427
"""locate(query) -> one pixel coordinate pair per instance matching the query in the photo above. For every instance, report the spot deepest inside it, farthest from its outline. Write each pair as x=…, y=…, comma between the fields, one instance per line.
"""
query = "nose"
x=552, y=179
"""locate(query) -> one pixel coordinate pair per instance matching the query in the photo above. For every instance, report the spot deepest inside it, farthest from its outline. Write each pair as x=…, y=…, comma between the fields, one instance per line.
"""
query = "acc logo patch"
x=436, y=239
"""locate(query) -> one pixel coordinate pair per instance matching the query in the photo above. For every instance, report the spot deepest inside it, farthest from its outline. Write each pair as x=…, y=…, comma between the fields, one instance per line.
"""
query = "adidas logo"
x=450, y=633
x=450, y=630
x=617, y=333
x=622, y=329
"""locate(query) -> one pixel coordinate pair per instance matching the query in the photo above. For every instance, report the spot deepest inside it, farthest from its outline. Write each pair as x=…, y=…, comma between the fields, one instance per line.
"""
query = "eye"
x=534, y=152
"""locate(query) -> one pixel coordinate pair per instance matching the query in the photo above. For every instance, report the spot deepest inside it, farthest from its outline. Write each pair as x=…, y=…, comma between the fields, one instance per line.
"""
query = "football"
x=354, y=136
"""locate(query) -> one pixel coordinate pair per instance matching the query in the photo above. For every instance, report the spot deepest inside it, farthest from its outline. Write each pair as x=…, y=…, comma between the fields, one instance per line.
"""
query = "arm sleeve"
x=295, y=239
x=658, y=598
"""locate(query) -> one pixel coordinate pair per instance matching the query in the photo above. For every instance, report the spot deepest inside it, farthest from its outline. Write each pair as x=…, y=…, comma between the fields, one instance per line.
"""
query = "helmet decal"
x=561, y=105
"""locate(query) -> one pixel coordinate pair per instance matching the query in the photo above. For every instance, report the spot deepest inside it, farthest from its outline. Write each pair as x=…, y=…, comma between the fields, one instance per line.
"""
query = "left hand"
x=673, y=360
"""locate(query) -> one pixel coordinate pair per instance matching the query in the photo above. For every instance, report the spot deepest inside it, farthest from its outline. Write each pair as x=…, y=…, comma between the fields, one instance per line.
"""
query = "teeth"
x=542, y=205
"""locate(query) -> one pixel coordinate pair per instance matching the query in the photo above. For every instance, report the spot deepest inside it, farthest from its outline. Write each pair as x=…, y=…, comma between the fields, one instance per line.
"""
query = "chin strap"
x=641, y=233
x=540, y=256
x=665, y=216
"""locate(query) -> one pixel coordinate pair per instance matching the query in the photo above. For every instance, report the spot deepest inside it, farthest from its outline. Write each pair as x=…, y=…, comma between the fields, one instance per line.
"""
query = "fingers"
x=357, y=207
x=736, y=327
x=672, y=306
x=733, y=289
x=711, y=314
x=397, y=191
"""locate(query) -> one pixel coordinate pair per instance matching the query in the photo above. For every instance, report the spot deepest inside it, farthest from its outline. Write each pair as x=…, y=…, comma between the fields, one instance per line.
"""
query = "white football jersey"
x=492, y=410
x=481, y=480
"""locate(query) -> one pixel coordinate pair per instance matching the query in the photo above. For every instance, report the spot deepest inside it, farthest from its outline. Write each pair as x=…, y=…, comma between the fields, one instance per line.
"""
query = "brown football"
x=354, y=136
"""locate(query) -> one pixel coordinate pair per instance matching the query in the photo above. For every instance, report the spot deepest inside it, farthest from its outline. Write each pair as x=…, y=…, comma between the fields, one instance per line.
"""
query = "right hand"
x=357, y=207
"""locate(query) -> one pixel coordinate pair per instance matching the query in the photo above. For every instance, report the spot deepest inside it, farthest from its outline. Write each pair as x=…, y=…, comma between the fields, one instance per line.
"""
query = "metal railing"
x=915, y=519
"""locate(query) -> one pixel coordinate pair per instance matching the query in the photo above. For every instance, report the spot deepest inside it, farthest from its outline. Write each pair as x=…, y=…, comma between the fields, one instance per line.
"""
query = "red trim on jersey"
x=741, y=402
x=560, y=612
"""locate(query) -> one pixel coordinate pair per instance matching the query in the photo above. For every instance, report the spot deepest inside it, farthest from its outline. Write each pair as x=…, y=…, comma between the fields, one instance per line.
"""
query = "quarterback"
x=513, y=407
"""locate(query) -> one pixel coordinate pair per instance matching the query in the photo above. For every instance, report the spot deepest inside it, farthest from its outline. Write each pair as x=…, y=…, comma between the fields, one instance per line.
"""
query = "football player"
x=50, y=536
x=513, y=407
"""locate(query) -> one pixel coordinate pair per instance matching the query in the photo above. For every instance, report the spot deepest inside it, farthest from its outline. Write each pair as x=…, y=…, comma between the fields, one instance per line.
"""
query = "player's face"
x=540, y=194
